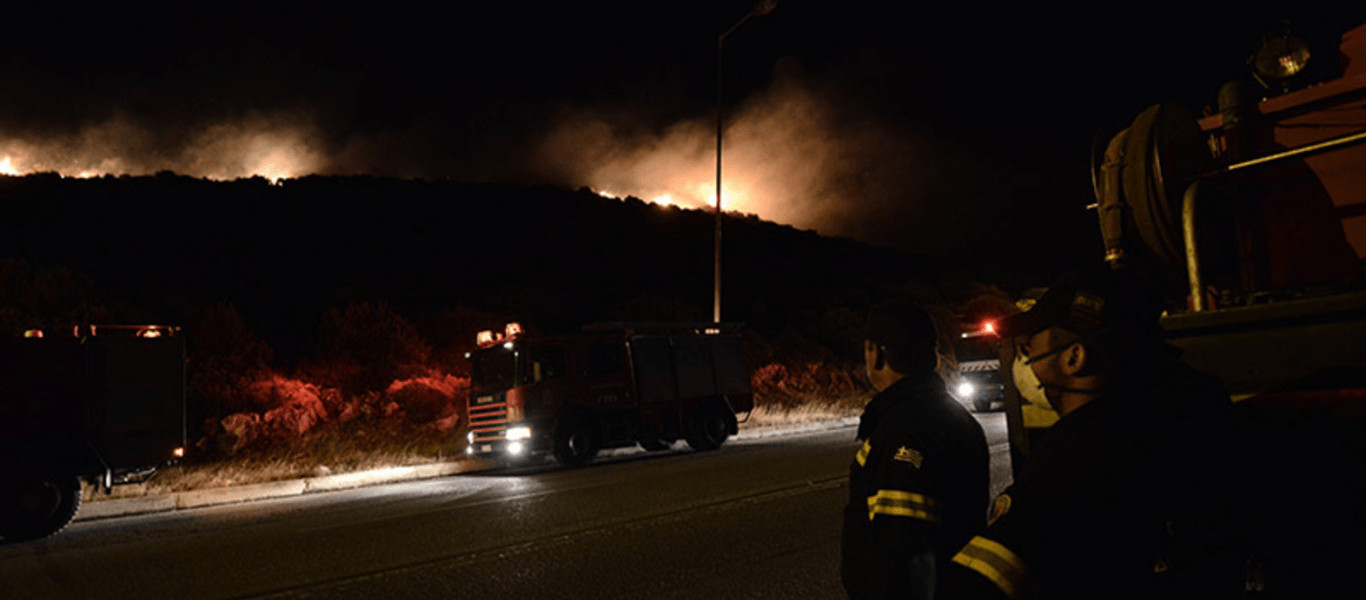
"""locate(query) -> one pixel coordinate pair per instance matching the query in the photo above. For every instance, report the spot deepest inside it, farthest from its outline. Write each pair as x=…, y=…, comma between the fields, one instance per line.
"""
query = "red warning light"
x=513, y=330
x=484, y=338
x=989, y=327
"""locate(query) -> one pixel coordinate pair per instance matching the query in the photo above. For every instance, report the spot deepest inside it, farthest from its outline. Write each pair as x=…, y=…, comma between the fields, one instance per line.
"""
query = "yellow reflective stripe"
x=995, y=562
x=903, y=504
x=862, y=456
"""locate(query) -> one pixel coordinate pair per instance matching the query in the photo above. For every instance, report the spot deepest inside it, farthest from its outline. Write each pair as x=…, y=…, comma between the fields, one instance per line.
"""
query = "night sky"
x=960, y=130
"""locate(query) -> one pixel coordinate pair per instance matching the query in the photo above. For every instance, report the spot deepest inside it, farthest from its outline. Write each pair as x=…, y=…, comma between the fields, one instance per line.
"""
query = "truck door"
x=609, y=380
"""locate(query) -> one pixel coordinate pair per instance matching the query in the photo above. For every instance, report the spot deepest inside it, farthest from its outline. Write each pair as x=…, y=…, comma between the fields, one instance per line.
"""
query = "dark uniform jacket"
x=918, y=488
x=1122, y=499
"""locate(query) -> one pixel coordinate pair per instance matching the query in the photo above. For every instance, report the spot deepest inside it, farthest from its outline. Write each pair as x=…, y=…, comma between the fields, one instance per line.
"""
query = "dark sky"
x=963, y=121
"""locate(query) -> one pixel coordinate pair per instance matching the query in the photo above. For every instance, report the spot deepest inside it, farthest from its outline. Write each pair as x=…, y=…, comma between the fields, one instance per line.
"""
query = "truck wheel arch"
x=711, y=425
x=577, y=439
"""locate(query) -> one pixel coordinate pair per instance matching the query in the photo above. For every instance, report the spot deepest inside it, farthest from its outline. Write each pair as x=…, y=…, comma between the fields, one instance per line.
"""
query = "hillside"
x=328, y=303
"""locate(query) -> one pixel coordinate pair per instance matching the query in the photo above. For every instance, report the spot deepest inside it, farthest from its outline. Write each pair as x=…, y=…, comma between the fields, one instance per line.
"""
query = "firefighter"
x=919, y=484
x=1123, y=497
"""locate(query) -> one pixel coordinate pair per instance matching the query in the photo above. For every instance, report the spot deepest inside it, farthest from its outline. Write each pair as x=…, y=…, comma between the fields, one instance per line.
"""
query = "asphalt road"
x=759, y=518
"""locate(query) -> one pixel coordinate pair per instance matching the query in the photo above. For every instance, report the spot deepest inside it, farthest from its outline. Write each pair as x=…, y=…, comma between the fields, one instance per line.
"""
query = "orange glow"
x=275, y=147
x=149, y=333
x=989, y=327
x=7, y=167
x=179, y=453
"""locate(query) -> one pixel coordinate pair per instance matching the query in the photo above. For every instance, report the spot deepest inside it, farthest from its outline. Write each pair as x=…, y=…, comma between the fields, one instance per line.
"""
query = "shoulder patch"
x=999, y=508
x=909, y=455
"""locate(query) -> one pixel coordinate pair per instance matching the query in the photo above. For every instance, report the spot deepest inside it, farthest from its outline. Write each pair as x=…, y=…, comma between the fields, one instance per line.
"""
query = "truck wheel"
x=36, y=506
x=575, y=444
x=709, y=431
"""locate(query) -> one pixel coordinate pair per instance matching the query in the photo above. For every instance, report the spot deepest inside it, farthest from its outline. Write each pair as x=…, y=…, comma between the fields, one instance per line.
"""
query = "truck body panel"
x=104, y=404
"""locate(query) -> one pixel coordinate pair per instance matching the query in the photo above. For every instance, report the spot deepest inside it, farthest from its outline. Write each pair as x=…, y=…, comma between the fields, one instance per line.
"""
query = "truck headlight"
x=519, y=433
x=470, y=437
x=965, y=390
x=515, y=448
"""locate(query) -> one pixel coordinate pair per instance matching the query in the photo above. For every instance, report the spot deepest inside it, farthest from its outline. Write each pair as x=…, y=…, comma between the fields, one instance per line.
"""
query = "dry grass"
x=771, y=417
x=344, y=449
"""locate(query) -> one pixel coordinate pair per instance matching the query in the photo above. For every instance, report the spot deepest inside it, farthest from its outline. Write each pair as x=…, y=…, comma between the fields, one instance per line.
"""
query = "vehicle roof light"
x=33, y=333
x=484, y=338
x=1278, y=59
x=513, y=329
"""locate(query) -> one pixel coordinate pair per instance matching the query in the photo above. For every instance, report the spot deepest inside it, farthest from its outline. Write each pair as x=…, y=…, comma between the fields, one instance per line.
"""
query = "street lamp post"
x=762, y=8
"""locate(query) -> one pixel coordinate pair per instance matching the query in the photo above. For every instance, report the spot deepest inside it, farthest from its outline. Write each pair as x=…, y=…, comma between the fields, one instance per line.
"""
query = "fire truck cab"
x=609, y=386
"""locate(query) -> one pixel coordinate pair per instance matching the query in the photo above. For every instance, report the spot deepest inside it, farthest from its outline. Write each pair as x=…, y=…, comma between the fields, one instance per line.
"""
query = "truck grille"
x=489, y=421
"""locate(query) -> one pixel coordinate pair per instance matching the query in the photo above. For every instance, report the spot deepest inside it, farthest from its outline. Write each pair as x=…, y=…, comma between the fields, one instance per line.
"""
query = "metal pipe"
x=762, y=8
x=1189, y=199
x=1192, y=255
x=716, y=290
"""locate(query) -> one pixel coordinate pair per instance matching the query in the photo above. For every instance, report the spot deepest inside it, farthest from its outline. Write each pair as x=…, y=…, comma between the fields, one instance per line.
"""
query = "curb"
x=122, y=507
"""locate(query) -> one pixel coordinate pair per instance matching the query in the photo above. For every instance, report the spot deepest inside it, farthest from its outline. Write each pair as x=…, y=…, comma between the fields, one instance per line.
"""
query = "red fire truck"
x=104, y=404
x=609, y=386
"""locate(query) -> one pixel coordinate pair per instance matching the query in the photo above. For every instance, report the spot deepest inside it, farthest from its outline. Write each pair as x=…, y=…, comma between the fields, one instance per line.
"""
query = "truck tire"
x=709, y=430
x=576, y=443
x=37, y=505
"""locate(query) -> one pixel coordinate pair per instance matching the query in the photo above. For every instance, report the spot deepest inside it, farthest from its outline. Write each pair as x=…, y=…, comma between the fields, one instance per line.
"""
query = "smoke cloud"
x=806, y=152
x=802, y=153
x=271, y=146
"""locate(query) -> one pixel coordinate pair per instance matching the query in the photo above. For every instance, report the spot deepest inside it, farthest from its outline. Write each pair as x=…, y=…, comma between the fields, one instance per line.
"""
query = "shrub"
x=365, y=347
x=226, y=358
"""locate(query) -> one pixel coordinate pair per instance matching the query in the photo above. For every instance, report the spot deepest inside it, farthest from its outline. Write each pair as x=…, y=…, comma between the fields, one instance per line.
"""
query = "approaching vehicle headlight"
x=965, y=390
x=519, y=433
x=515, y=448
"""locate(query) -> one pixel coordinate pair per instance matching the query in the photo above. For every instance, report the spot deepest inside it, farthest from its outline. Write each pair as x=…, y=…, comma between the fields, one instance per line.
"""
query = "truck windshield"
x=493, y=370
x=981, y=347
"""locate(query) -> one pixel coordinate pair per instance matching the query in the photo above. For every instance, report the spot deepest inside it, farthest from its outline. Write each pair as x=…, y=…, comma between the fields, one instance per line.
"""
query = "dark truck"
x=609, y=386
x=977, y=383
x=103, y=404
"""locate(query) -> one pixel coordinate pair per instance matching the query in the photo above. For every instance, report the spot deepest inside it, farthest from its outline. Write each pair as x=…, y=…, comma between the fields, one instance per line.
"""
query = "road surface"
x=759, y=518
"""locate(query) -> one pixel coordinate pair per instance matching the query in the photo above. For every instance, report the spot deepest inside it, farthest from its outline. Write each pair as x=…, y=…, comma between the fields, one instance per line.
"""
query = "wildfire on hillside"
x=799, y=154
x=254, y=147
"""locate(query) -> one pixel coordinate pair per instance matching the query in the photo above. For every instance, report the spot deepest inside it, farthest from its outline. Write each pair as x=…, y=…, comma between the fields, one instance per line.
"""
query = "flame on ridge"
x=271, y=148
